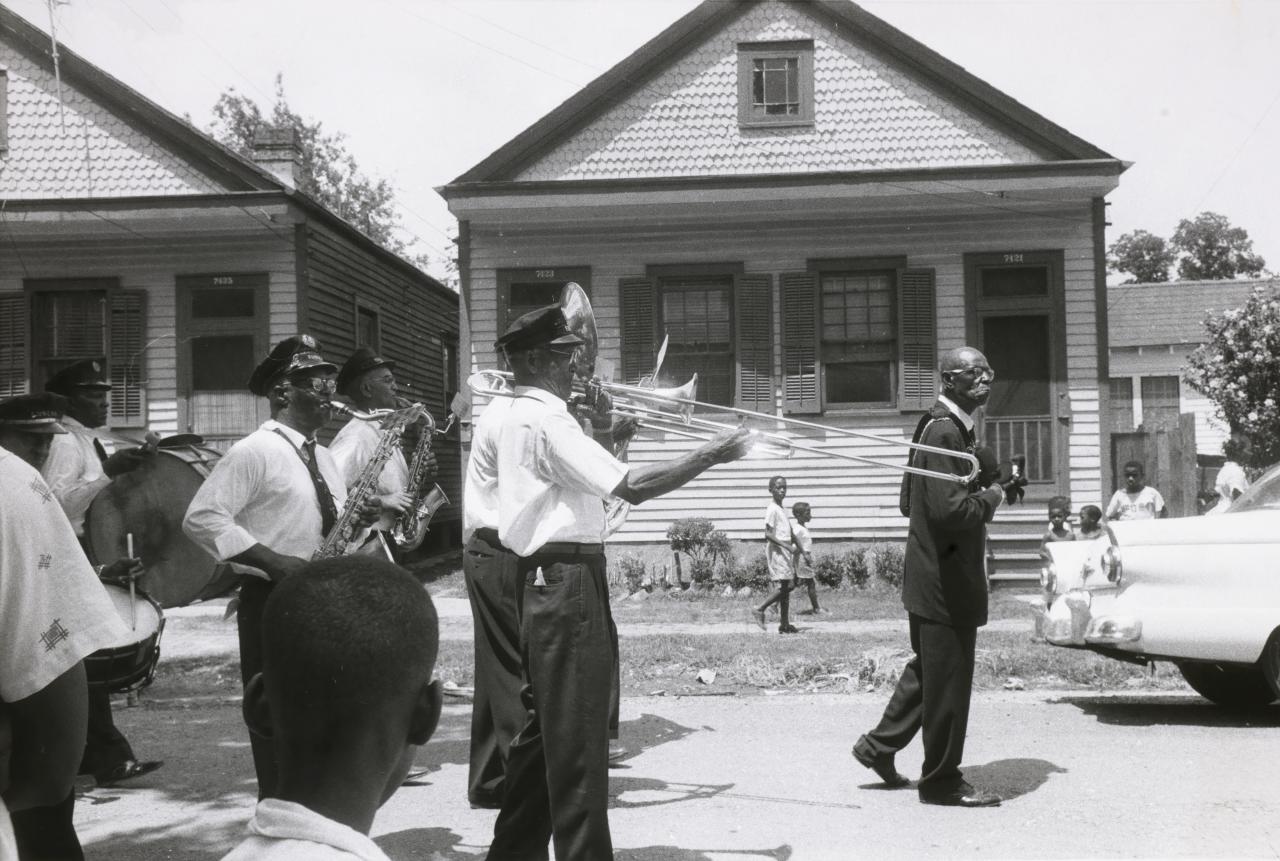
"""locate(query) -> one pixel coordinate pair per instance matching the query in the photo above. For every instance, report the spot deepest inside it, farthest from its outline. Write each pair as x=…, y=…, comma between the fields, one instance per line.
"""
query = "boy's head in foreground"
x=1090, y=518
x=1059, y=511
x=349, y=647
x=802, y=513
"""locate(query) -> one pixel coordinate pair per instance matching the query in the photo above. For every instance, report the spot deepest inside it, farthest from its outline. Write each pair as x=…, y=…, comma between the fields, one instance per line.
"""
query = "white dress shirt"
x=553, y=476
x=260, y=492
x=480, y=487
x=74, y=472
x=353, y=448
x=287, y=831
x=53, y=610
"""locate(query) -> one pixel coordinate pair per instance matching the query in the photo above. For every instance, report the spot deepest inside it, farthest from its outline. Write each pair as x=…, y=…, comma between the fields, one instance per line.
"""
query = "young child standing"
x=349, y=646
x=802, y=555
x=1136, y=501
x=778, y=547
x=1090, y=523
x=1059, y=511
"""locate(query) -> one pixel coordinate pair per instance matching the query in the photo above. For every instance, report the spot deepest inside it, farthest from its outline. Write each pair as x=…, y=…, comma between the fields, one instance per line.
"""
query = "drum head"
x=150, y=502
x=142, y=622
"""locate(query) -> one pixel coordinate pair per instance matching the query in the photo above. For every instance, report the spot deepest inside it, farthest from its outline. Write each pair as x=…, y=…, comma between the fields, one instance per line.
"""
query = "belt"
x=569, y=548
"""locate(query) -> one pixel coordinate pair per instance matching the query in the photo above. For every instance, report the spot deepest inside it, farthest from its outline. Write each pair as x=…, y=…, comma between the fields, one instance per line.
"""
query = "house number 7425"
x=1013, y=258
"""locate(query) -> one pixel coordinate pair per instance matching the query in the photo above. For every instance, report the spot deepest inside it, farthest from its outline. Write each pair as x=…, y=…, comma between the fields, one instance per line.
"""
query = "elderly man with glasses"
x=272, y=499
x=944, y=591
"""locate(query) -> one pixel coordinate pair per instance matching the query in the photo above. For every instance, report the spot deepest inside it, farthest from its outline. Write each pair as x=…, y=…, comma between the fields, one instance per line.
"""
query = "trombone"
x=672, y=411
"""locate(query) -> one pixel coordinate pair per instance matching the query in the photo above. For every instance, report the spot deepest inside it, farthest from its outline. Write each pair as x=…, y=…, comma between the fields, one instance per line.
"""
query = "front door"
x=223, y=324
x=1015, y=314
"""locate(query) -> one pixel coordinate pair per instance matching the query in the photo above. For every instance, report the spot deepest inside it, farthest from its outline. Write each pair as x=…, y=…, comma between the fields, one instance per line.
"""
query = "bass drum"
x=150, y=502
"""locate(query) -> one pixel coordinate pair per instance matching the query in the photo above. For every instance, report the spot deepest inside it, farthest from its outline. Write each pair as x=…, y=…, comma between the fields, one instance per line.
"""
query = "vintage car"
x=1201, y=592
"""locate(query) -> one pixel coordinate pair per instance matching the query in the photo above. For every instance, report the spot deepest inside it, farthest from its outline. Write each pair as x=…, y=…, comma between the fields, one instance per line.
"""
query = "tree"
x=1143, y=255
x=1212, y=249
x=1238, y=368
x=329, y=172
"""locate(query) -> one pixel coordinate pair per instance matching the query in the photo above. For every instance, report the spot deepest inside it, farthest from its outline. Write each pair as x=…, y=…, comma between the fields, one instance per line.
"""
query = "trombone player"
x=550, y=484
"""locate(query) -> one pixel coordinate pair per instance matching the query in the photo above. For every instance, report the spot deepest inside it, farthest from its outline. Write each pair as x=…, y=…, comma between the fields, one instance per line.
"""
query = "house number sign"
x=544, y=273
x=1013, y=258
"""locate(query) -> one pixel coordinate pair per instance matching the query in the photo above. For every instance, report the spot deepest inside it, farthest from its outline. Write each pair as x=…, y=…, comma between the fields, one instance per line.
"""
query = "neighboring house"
x=129, y=236
x=1154, y=327
x=811, y=205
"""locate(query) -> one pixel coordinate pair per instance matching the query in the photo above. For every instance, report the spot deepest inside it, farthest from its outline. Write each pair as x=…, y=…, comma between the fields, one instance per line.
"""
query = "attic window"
x=775, y=84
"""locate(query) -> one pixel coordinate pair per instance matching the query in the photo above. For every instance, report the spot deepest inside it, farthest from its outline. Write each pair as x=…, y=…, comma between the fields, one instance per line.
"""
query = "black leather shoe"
x=964, y=796
x=883, y=767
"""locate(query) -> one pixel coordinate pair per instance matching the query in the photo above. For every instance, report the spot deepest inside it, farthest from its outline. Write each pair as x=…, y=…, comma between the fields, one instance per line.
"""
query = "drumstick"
x=133, y=610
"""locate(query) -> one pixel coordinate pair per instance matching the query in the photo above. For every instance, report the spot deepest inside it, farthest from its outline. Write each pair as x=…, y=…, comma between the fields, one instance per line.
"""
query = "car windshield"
x=1263, y=493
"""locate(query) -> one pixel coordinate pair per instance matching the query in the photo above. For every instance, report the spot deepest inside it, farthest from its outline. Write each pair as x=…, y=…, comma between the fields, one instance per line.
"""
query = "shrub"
x=847, y=568
x=630, y=571
x=702, y=543
x=887, y=561
x=753, y=573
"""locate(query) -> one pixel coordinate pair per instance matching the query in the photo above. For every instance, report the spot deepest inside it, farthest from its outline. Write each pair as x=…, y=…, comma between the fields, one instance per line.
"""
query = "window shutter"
x=638, y=349
x=800, y=342
x=13, y=345
x=128, y=360
x=753, y=307
x=917, y=339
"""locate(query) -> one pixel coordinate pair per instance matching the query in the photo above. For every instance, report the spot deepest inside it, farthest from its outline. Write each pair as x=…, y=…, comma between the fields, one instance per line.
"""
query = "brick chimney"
x=278, y=150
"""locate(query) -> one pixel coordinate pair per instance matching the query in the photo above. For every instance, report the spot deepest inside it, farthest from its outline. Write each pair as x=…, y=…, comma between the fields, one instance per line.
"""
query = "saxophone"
x=344, y=530
x=411, y=526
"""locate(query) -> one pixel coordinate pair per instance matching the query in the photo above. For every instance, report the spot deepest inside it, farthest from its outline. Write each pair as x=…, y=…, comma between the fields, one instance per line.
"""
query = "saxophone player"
x=369, y=382
x=271, y=500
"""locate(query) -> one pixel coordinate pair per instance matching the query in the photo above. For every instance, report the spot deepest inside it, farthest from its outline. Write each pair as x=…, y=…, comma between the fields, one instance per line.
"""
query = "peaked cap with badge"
x=299, y=353
x=361, y=362
x=86, y=374
x=38, y=413
x=540, y=327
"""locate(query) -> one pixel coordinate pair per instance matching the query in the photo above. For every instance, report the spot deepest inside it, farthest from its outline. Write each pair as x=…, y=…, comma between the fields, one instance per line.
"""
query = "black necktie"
x=99, y=449
x=328, y=512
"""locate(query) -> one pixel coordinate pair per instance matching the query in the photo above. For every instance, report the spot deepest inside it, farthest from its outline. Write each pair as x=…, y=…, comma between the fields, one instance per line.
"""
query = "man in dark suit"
x=944, y=591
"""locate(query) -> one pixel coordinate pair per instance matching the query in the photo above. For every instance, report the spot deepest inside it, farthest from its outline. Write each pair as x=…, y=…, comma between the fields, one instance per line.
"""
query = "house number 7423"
x=1013, y=258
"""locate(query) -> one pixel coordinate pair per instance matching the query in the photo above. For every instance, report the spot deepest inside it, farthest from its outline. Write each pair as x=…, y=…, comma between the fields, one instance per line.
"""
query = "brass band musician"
x=271, y=500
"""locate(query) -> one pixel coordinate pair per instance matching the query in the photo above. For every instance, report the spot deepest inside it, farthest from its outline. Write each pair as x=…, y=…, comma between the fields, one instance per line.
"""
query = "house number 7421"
x=1013, y=258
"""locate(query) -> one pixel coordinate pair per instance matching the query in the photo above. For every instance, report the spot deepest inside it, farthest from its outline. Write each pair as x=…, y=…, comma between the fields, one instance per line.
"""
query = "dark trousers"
x=106, y=747
x=933, y=695
x=254, y=592
x=496, y=712
x=557, y=769
x=47, y=833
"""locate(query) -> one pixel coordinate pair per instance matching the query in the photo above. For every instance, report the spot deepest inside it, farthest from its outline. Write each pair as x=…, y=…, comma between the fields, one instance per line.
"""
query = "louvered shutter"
x=128, y=360
x=753, y=319
x=917, y=339
x=13, y=345
x=638, y=349
x=800, y=342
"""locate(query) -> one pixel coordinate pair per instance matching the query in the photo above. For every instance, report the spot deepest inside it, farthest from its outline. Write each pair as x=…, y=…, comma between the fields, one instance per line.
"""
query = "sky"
x=1187, y=90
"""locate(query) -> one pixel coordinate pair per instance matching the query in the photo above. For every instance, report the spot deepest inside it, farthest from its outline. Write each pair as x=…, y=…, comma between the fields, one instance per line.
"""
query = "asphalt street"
x=770, y=777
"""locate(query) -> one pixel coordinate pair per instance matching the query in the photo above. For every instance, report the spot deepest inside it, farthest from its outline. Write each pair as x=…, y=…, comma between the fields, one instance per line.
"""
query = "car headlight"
x=1113, y=629
x=1111, y=565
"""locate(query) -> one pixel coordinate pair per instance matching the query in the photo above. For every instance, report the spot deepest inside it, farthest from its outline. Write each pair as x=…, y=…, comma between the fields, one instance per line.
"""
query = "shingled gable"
x=242, y=179
x=926, y=65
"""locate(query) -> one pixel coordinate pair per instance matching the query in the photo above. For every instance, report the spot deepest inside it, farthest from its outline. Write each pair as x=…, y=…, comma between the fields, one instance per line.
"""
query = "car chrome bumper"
x=1070, y=621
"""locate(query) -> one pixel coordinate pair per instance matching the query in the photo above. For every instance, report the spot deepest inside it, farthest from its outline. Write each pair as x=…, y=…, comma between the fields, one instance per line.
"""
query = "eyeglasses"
x=979, y=374
x=319, y=385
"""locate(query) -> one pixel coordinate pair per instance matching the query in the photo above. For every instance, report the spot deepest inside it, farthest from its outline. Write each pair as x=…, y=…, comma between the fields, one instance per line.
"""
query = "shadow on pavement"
x=647, y=732
x=1169, y=711
x=434, y=844
x=633, y=792
x=673, y=853
x=449, y=744
x=1011, y=778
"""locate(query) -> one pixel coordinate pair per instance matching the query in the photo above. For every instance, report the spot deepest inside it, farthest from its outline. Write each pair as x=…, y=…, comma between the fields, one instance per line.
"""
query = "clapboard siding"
x=849, y=499
x=415, y=321
x=153, y=266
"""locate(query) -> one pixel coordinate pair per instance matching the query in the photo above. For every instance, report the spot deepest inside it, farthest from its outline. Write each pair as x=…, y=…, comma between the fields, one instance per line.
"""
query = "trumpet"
x=673, y=411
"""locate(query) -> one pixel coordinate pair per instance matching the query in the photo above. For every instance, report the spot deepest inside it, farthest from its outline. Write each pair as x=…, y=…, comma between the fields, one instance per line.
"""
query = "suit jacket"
x=944, y=577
